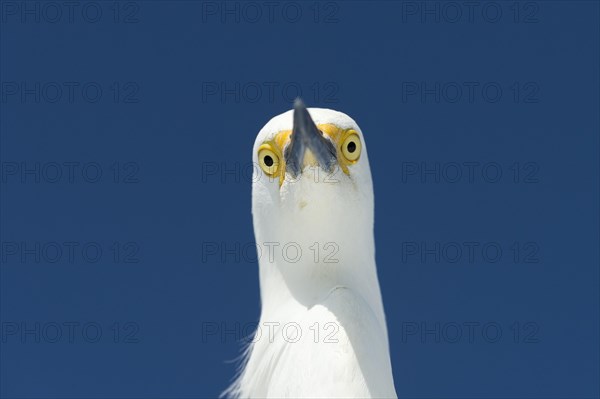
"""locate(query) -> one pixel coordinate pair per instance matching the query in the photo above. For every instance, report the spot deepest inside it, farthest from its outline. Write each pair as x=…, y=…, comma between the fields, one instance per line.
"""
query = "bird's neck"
x=301, y=273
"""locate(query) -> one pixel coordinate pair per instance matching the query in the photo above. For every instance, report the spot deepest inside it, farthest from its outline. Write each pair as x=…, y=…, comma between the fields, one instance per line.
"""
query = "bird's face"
x=312, y=181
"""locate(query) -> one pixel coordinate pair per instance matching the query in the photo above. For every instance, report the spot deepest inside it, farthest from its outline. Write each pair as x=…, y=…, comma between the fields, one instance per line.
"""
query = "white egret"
x=322, y=331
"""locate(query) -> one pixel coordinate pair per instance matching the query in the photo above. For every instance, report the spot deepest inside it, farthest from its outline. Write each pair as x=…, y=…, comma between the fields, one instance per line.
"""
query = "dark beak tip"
x=298, y=104
x=307, y=136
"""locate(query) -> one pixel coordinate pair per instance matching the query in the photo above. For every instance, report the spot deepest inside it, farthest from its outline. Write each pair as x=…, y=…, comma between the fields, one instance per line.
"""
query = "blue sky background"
x=126, y=135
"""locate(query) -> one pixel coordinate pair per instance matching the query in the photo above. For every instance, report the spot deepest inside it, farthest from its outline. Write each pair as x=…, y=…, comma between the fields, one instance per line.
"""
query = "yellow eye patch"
x=351, y=147
x=347, y=143
x=268, y=160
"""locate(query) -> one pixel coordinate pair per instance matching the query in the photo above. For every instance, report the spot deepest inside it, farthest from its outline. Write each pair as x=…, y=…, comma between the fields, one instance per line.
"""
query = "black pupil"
x=351, y=147
x=268, y=161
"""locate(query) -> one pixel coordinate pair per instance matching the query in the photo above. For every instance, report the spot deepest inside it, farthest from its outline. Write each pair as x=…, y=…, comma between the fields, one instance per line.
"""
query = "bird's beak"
x=307, y=137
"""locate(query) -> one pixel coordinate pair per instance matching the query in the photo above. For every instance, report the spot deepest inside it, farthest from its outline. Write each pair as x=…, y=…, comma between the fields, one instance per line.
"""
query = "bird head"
x=312, y=183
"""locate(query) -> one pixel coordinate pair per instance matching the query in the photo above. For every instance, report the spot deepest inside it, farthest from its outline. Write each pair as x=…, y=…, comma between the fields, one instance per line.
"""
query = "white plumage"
x=322, y=330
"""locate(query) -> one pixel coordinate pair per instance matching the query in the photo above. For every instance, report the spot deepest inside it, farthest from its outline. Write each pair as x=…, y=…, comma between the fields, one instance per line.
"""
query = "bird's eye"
x=351, y=147
x=268, y=160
